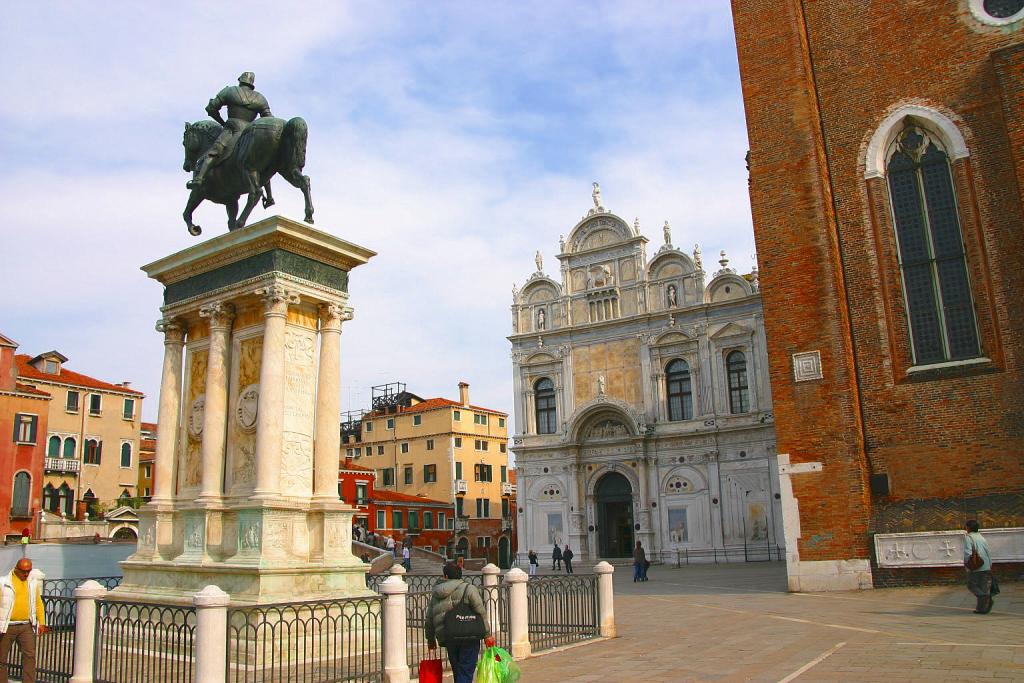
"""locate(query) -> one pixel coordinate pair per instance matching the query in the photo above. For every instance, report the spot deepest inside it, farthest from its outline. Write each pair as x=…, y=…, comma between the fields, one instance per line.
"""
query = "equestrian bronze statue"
x=238, y=156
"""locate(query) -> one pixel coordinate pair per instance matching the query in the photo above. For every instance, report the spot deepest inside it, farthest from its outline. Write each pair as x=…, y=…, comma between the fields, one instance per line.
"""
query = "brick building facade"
x=886, y=169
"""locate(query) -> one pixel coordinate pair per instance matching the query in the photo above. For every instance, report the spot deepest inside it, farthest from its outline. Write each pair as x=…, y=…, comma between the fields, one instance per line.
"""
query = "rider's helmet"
x=248, y=78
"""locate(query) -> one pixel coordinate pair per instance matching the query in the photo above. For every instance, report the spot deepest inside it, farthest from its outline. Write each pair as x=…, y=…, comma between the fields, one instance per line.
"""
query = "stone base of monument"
x=249, y=429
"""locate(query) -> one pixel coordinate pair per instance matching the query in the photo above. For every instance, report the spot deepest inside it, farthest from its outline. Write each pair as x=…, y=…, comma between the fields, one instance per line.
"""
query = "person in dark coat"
x=533, y=563
x=556, y=558
x=639, y=563
x=567, y=556
x=445, y=596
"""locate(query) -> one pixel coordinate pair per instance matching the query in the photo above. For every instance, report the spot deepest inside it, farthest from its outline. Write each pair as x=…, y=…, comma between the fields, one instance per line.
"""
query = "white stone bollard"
x=86, y=596
x=605, y=598
x=397, y=570
x=210, y=641
x=518, y=613
x=394, y=589
x=491, y=573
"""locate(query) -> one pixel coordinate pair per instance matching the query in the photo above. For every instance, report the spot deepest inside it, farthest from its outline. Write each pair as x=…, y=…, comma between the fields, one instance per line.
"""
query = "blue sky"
x=455, y=139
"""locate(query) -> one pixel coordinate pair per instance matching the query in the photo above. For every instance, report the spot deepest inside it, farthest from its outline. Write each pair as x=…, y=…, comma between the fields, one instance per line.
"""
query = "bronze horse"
x=267, y=146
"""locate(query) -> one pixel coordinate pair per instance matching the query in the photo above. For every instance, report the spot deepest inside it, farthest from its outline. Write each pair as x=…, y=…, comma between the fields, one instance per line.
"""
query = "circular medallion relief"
x=195, y=415
x=997, y=12
x=247, y=407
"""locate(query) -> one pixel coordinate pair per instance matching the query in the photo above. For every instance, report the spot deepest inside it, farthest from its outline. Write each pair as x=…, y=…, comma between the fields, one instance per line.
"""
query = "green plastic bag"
x=496, y=666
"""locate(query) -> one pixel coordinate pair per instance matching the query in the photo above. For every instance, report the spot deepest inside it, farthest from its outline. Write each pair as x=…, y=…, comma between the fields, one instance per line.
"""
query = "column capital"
x=276, y=299
x=220, y=314
x=333, y=315
x=173, y=330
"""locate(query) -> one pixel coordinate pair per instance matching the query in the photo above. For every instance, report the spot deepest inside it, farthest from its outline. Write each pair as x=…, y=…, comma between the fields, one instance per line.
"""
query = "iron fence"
x=55, y=648
x=321, y=641
x=66, y=587
x=758, y=553
x=420, y=583
x=140, y=642
x=562, y=610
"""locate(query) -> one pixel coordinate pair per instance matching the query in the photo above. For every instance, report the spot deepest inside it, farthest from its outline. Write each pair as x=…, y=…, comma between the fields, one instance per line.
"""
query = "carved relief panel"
x=298, y=415
x=190, y=465
x=244, y=406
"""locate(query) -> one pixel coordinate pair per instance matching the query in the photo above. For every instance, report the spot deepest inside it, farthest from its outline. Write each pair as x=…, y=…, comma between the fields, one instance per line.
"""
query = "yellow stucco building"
x=444, y=450
x=93, y=435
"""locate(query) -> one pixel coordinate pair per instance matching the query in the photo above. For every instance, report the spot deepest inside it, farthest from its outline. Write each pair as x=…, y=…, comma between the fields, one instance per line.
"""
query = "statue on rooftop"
x=239, y=155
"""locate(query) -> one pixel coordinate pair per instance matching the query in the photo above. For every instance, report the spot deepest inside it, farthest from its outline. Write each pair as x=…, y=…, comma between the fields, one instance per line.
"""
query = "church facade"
x=642, y=403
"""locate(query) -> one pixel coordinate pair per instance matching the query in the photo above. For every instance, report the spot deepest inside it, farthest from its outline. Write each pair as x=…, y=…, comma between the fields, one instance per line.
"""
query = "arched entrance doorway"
x=614, y=516
x=504, y=553
x=462, y=547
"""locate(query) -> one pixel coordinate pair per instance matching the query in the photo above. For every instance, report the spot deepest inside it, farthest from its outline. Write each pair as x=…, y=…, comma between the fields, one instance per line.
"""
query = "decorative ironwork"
x=319, y=641
x=66, y=587
x=140, y=642
x=54, y=651
x=420, y=583
x=562, y=610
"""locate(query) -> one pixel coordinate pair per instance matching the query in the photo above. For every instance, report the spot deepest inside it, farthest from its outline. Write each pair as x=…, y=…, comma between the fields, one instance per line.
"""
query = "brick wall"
x=818, y=78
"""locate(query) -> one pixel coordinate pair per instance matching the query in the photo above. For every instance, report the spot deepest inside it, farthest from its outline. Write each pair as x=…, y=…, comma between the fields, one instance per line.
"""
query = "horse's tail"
x=294, y=142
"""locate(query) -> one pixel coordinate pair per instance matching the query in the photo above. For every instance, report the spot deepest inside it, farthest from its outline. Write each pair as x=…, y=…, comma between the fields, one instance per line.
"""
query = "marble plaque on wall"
x=945, y=548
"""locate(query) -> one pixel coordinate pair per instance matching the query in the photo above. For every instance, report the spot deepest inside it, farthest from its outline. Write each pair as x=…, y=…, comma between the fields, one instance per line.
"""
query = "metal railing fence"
x=55, y=648
x=562, y=610
x=320, y=641
x=140, y=642
x=758, y=553
x=420, y=583
x=66, y=587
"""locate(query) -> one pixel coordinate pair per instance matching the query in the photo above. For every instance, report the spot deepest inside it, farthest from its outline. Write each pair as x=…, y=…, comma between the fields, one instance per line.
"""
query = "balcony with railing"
x=508, y=489
x=61, y=465
x=460, y=486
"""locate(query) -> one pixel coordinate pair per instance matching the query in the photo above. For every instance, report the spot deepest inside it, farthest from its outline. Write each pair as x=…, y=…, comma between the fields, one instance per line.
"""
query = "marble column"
x=327, y=445
x=215, y=413
x=269, y=419
x=169, y=409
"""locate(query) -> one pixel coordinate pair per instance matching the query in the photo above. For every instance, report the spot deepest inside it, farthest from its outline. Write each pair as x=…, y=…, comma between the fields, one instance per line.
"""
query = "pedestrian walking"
x=567, y=558
x=979, y=578
x=406, y=558
x=456, y=619
x=639, y=563
x=390, y=545
x=556, y=558
x=533, y=563
x=22, y=617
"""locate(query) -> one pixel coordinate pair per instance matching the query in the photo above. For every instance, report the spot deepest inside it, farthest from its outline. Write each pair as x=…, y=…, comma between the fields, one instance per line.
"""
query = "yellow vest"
x=20, y=610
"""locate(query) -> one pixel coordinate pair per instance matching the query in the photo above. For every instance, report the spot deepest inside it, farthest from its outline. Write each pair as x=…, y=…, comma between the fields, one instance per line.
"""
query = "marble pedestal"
x=248, y=445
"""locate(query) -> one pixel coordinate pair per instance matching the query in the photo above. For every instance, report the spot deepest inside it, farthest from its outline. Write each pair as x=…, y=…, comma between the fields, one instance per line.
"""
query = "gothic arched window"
x=53, y=447
x=739, y=393
x=679, y=391
x=19, y=501
x=933, y=264
x=126, y=454
x=69, y=447
x=544, y=396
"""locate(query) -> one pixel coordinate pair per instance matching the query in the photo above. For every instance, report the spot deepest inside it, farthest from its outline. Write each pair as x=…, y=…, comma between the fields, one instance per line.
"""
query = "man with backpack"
x=556, y=558
x=457, y=620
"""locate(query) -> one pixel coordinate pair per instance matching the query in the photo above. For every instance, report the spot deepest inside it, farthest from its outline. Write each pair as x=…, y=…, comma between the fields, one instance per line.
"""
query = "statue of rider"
x=244, y=104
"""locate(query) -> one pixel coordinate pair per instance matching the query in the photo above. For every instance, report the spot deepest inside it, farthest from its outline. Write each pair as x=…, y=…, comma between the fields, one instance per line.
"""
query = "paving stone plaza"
x=738, y=623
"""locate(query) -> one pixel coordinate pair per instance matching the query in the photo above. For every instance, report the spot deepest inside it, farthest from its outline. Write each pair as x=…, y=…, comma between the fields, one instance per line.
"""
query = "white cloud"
x=454, y=140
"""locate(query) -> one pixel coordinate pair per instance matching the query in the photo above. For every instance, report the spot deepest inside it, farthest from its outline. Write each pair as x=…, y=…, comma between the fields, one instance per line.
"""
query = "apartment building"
x=443, y=450
x=92, y=436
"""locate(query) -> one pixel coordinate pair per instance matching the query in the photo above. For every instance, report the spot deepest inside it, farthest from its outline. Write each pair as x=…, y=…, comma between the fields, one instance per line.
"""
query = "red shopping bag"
x=431, y=671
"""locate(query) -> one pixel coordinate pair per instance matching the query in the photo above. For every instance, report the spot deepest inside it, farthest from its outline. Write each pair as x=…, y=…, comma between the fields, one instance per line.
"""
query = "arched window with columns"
x=930, y=247
x=678, y=390
x=547, y=414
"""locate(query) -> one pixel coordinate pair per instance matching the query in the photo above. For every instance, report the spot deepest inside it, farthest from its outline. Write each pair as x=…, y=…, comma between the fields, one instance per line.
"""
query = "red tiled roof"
x=395, y=497
x=348, y=465
x=434, y=404
x=26, y=389
x=26, y=371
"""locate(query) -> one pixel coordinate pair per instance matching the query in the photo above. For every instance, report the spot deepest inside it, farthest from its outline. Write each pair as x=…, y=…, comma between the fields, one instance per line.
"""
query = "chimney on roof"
x=125, y=384
x=464, y=394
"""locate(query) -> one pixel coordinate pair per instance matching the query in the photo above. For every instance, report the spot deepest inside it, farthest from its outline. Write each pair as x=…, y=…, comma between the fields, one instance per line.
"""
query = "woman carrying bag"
x=456, y=618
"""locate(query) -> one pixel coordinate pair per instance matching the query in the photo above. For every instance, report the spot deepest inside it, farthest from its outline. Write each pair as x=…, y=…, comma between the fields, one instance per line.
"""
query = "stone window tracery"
x=678, y=389
x=739, y=392
x=545, y=401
